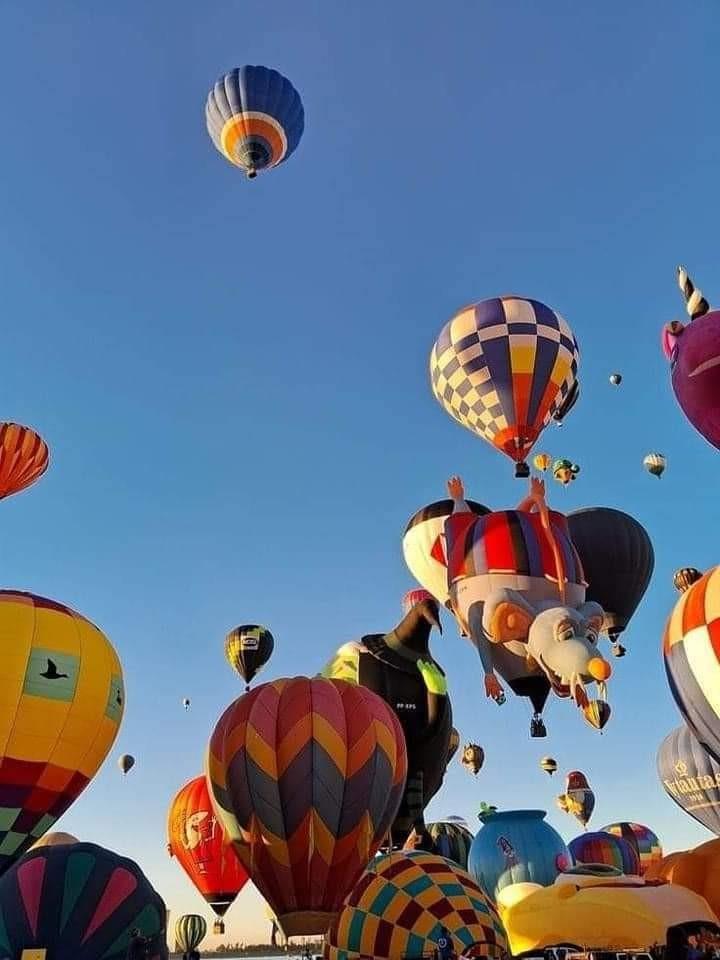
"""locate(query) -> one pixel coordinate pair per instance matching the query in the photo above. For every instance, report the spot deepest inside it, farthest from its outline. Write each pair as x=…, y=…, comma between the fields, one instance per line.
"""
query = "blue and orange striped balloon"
x=691, y=649
x=255, y=118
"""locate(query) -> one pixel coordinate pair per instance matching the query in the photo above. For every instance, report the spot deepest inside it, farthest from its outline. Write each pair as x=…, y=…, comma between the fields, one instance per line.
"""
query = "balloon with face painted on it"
x=694, y=354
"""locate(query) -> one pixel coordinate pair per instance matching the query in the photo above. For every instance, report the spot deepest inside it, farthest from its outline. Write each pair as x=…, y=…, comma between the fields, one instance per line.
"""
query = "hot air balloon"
x=694, y=355
x=126, y=762
x=578, y=799
x=685, y=577
x=503, y=368
x=55, y=840
x=617, y=559
x=307, y=776
x=424, y=546
x=473, y=757
x=451, y=839
x=692, y=659
x=642, y=839
x=186, y=703
x=690, y=777
x=400, y=668
x=63, y=700
x=605, y=848
x=541, y=461
x=564, y=471
x=255, y=118
x=24, y=458
x=549, y=765
x=247, y=649
x=697, y=870
x=400, y=905
x=190, y=930
x=598, y=712
x=655, y=464
x=197, y=841
x=413, y=597
x=616, y=379
x=78, y=902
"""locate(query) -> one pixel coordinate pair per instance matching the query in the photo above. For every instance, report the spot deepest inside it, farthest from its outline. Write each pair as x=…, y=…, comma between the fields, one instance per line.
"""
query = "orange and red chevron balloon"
x=197, y=842
x=307, y=777
x=24, y=458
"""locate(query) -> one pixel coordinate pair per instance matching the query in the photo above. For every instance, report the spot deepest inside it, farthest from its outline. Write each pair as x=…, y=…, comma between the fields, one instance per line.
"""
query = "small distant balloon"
x=186, y=703
x=616, y=379
x=413, y=597
x=541, y=461
x=248, y=648
x=24, y=458
x=126, y=762
x=549, y=765
x=685, y=577
x=655, y=464
x=597, y=712
x=564, y=471
x=473, y=757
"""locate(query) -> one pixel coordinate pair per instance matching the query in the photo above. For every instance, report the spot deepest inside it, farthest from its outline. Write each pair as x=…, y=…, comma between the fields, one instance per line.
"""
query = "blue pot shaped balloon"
x=516, y=846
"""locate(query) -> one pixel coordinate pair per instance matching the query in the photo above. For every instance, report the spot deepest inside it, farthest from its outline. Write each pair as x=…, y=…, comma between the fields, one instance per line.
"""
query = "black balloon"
x=690, y=777
x=618, y=559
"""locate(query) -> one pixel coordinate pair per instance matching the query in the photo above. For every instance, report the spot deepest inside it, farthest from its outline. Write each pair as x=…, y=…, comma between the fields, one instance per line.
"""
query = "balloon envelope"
x=641, y=839
x=399, y=906
x=55, y=840
x=451, y=840
x=255, y=118
x=63, y=700
x=598, y=847
x=190, y=930
x=690, y=777
x=126, y=762
x=617, y=558
x=78, y=902
x=197, y=842
x=502, y=368
x=24, y=458
x=307, y=776
x=248, y=648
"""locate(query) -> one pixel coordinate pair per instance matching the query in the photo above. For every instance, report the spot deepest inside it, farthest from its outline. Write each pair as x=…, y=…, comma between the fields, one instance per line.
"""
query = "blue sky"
x=232, y=376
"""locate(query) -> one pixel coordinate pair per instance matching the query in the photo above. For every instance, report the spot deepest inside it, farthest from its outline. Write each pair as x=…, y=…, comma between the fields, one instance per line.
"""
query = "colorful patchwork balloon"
x=691, y=646
x=605, y=848
x=255, y=118
x=307, y=777
x=62, y=704
x=504, y=368
x=641, y=839
x=78, y=902
x=401, y=904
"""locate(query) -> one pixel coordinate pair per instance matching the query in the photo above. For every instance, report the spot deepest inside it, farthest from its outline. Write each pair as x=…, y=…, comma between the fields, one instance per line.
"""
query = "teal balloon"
x=516, y=846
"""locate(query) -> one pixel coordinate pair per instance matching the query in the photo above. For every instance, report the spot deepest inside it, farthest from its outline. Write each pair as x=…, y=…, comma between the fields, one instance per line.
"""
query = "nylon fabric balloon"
x=690, y=777
x=616, y=379
x=78, y=902
x=24, y=458
x=541, y=461
x=255, y=118
x=190, y=931
x=503, y=368
x=424, y=546
x=579, y=798
x=54, y=840
x=126, y=763
x=400, y=905
x=62, y=704
x=685, y=577
x=655, y=463
x=412, y=598
x=642, y=839
x=197, y=841
x=451, y=840
x=597, y=713
x=307, y=777
x=618, y=561
x=248, y=648
x=690, y=649
x=473, y=757
x=549, y=765
x=605, y=848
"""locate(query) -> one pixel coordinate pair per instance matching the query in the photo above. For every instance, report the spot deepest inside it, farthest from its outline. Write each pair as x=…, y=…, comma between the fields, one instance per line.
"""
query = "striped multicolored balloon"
x=605, y=848
x=641, y=839
x=402, y=902
x=691, y=649
x=190, y=930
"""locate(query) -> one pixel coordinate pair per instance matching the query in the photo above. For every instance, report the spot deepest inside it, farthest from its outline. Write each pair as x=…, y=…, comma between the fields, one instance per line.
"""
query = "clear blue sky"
x=232, y=376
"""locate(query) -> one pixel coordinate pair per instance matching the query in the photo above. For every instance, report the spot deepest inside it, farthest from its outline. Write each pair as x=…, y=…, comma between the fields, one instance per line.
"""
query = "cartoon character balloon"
x=503, y=368
x=401, y=904
x=24, y=458
x=197, y=841
x=579, y=798
x=63, y=700
x=307, y=777
x=255, y=118
x=78, y=902
x=694, y=355
x=690, y=777
x=473, y=757
x=691, y=650
x=565, y=471
x=400, y=668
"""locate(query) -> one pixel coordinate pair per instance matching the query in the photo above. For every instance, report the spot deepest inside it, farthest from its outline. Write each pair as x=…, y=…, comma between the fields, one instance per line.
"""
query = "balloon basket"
x=218, y=927
x=522, y=470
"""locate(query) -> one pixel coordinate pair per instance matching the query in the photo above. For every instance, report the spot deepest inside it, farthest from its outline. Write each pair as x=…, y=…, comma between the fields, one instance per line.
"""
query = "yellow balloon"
x=542, y=461
x=61, y=704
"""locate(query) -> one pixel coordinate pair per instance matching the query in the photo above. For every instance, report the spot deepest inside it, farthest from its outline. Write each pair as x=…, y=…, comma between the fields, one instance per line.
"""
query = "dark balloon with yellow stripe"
x=255, y=118
x=248, y=648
